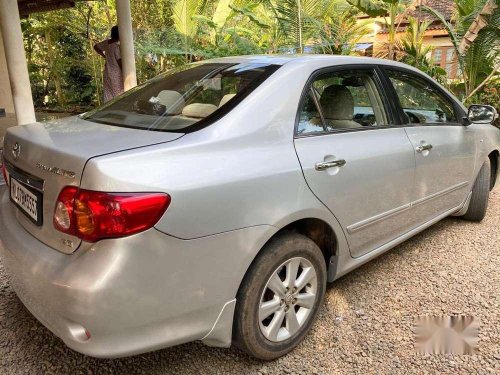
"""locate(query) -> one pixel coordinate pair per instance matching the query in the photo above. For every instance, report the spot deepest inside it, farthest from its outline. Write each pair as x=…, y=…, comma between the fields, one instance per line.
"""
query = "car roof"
x=327, y=60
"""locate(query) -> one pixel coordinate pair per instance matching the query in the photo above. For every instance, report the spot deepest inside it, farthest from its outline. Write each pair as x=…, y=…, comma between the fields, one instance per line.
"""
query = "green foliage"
x=66, y=72
x=222, y=13
x=296, y=20
x=373, y=8
x=389, y=9
x=60, y=68
x=249, y=11
x=411, y=50
x=481, y=59
x=489, y=95
x=338, y=29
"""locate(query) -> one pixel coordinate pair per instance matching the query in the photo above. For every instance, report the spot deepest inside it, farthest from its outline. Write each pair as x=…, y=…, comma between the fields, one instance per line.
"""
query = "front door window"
x=422, y=102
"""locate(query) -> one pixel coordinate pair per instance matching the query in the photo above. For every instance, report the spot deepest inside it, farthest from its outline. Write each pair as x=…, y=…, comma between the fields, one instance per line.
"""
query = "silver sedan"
x=215, y=201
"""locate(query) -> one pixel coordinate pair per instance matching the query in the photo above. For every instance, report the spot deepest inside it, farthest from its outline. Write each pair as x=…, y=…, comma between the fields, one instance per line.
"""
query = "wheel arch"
x=317, y=230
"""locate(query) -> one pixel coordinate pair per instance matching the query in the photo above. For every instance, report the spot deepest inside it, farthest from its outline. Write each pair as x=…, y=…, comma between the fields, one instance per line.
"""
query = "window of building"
x=444, y=57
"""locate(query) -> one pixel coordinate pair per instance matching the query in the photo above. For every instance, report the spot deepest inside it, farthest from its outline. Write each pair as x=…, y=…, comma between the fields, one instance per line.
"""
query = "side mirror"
x=482, y=114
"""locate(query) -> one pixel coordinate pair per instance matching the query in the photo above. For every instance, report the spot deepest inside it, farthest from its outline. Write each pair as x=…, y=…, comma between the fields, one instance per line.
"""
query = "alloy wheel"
x=288, y=299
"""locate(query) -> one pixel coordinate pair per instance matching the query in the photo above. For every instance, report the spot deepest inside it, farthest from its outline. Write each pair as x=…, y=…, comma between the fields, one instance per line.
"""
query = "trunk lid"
x=53, y=155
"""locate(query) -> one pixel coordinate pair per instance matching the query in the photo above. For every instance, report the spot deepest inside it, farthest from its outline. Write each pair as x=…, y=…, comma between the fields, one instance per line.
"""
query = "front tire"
x=279, y=297
x=480, y=194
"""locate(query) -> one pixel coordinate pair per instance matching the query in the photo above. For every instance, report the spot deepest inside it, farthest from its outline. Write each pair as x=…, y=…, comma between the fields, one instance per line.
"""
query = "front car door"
x=444, y=148
x=354, y=159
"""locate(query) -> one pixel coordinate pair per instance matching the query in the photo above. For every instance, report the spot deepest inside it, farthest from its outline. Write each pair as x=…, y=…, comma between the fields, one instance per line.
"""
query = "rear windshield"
x=184, y=99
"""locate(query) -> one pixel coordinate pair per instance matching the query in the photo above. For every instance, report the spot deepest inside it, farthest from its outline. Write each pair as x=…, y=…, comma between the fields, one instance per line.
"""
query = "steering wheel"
x=414, y=119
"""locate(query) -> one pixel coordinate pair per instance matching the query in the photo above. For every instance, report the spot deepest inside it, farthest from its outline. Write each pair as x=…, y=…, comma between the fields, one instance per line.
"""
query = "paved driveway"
x=364, y=327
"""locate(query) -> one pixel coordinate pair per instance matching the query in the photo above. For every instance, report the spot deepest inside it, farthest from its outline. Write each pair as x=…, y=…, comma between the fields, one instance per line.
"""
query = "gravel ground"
x=364, y=327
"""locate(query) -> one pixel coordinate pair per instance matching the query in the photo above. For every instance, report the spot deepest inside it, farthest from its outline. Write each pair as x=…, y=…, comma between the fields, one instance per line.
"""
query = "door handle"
x=424, y=147
x=329, y=164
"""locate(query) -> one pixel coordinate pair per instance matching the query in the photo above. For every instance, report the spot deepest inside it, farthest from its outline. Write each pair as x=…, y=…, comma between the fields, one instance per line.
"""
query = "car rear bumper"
x=132, y=295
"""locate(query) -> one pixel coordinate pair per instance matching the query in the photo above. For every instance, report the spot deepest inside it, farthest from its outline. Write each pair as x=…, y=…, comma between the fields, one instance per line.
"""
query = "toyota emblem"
x=16, y=151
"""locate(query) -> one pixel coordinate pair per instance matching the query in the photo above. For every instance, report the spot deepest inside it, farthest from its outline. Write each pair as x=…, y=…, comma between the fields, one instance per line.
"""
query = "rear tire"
x=480, y=195
x=294, y=266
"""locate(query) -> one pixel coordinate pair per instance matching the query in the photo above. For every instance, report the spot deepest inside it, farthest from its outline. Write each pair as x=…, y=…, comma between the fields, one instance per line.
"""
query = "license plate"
x=29, y=201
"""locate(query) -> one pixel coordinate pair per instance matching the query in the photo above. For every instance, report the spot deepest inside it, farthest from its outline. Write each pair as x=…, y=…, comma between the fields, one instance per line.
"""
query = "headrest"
x=225, y=99
x=172, y=100
x=354, y=81
x=337, y=103
x=199, y=110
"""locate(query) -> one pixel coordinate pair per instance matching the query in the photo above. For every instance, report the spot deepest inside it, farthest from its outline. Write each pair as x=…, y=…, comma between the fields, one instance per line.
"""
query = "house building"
x=443, y=52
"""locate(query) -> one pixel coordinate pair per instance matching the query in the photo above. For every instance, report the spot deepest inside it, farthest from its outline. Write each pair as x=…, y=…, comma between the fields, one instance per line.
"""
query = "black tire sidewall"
x=478, y=203
x=247, y=333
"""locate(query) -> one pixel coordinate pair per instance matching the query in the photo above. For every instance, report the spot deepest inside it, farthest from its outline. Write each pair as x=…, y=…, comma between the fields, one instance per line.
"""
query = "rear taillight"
x=93, y=215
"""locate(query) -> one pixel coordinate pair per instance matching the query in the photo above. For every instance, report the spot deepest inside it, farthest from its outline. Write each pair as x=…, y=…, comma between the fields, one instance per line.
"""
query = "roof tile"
x=445, y=7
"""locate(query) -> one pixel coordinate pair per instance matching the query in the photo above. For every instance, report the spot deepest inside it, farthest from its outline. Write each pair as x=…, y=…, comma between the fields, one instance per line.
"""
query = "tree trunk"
x=490, y=76
x=479, y=23
x=54, y=73
x=392, y=30
x=108, y=14
x=96, y=79
x=299, y=15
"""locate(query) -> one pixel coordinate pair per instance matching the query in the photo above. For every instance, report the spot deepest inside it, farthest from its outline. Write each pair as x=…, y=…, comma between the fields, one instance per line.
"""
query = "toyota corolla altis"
x=215, y=201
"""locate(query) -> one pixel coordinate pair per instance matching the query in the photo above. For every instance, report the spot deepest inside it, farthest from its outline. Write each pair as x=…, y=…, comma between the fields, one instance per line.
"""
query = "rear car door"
x=444, y=148
x=354, y=159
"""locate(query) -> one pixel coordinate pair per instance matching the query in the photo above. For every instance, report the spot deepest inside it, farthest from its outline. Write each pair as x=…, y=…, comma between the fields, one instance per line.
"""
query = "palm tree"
x=339, y=29
x=411, y=46
x=411, y=50
x=474, y=34
x=296, y=23
x=328, y=24
x=480, y=22
x=296, y=19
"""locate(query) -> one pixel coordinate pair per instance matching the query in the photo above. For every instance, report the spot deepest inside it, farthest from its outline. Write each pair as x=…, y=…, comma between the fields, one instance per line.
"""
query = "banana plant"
x=389, y=10
x=182, y=17
x=373, y=8
x=264, y=16
x=218, y=20
x=185, y=22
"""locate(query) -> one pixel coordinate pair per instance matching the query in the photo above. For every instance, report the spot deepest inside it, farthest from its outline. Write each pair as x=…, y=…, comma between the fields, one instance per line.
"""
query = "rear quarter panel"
x=239, y=172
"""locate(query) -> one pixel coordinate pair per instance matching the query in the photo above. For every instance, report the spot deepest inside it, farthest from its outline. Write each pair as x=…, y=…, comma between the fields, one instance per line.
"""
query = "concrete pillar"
x=126, y=43
x=5, y=91
x=15, y=56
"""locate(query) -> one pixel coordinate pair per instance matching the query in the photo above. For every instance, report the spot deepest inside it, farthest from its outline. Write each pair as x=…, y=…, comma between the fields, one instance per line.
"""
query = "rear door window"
x=342, y=100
